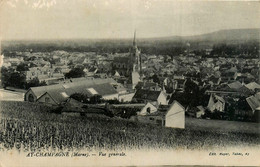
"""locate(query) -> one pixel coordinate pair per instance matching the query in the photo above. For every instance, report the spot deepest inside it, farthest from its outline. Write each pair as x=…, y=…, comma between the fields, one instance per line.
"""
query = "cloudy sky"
x=62, y=19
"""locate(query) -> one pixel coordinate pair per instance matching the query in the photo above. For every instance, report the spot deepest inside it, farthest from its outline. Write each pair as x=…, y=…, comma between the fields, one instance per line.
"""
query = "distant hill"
x=157, y=45
x=219, y=36
x=230, y=35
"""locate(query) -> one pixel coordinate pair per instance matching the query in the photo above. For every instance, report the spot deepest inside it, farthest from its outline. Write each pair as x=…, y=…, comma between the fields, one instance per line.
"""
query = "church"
x=129, y=66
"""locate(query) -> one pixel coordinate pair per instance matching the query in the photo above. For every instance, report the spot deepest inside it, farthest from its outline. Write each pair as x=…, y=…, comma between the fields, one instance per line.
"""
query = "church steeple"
x=137, y=67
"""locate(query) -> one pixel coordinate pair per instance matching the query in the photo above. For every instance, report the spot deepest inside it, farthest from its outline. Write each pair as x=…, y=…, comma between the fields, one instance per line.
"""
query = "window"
x=148, y=110
x=92, y=91
x=158, y=121
x=47, y=99
x=64, y=94
x=151, y=119
x=31, y=98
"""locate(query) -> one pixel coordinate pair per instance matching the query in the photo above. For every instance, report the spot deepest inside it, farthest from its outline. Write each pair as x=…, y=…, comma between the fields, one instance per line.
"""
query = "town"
x=129, y=83
x=155, y=89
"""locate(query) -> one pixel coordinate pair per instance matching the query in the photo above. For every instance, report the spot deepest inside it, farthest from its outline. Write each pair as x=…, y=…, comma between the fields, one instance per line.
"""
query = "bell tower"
x=136, y=60
x=135, y=53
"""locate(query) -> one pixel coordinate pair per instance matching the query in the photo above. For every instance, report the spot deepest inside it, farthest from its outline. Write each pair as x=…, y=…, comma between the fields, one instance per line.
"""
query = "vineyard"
x=31, y=127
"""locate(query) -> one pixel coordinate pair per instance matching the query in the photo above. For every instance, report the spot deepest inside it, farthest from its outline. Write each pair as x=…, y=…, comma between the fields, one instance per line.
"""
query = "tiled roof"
x=102, y=86
x=219, y=98
x=254, y=102
x=166, y=108
x=123, y=59
x=104, y=89
x=145, y=85
x=235, y=85
x=147, y=94
x=252, y=85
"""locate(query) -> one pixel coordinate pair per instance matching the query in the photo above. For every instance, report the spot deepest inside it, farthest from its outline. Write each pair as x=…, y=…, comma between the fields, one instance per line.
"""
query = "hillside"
x=156, y=45
x=217, y=36
x=229, y=35
x=31, y=127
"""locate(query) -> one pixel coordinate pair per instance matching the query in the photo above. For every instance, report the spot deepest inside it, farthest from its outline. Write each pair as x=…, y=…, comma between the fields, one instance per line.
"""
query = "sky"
x=66, y=19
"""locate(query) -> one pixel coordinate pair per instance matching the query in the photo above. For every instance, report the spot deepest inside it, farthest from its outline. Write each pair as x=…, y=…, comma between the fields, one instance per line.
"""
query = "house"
x=34, y=93
x=53, y=98
x=55, y=94
x=147, y=86
x=116, y=74
x=235, y=85
x=239, y=88
x=148, y=109
x=216, y=103
x=126, y=97
x=196, y=112
x=179, y=84
x=253, y=86
x=123, y=65
x=173, y=117
x=228, y=76
x=253, y=102
x=213, y=80
x=154, y=97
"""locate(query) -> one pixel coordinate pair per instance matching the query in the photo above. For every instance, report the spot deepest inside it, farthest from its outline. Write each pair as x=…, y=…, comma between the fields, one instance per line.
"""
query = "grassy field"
x=29, y=127
x=6, y=95
x=222, y=125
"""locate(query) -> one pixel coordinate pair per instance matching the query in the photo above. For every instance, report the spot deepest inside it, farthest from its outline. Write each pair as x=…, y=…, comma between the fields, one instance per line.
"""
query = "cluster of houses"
x=150, y=80
x=155, y=108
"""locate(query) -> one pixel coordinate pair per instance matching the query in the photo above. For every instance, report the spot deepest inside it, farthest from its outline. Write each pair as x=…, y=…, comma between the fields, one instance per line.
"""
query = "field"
x=6, y=95
x=30, y=127
x=222, y=126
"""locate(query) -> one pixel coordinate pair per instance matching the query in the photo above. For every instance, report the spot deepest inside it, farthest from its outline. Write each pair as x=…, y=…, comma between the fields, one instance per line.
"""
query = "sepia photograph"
x=129, y=83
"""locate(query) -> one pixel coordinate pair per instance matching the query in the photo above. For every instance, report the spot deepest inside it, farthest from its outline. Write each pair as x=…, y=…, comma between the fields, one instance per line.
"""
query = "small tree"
x=80, y=97
x=156, y=79
x=95, y=99
x=35, y=82
x=75, y=73
x=22, y=67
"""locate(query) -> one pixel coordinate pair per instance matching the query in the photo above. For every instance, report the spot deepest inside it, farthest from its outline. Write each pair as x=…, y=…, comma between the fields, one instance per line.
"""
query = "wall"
x=27, y=94
x=110, y=97
x=126, y=97
x=150, y=119
x=42, y=99
x=175, y=116
x=162, y=99
x=144, y=110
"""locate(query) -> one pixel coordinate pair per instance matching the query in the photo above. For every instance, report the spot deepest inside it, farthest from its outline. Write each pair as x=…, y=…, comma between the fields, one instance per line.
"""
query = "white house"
x=172, y=116
x=216, y=103
x=154, y=97
x=175, y=116
x=148, y=109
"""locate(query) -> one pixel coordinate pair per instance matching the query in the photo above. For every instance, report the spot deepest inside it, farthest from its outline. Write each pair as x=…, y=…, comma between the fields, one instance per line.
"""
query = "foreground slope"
x=26, y=126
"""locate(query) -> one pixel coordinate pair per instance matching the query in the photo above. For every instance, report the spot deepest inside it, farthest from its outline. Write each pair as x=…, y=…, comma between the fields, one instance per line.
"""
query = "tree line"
x=13, y=78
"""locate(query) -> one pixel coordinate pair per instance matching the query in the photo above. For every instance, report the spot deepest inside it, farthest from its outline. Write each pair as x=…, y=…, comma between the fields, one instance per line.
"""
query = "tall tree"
x=75, y=73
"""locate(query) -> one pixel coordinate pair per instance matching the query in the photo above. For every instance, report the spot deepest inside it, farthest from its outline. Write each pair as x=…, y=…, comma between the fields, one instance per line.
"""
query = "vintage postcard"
x=129, y=83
